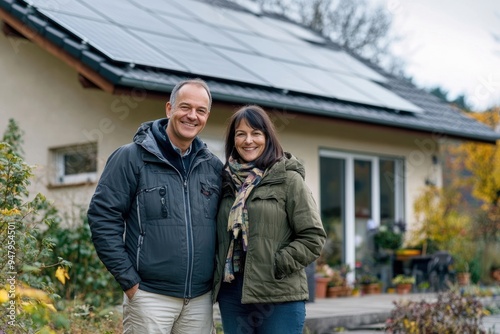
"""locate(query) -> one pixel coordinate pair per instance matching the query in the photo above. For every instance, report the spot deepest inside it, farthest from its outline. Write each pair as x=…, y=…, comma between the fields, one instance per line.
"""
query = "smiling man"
x=153, y=214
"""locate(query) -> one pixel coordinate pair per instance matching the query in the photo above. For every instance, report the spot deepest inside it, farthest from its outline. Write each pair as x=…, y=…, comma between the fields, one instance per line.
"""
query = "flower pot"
x=495, y=274
x=335, y=291
x=403, y=288
x=463, y=278
x=370, y=289
x=321, y=286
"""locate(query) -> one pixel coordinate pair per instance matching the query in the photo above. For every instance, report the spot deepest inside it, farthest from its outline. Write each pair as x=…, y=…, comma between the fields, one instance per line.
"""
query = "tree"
x=483, y=162
x=477, y=166
x=460, y=101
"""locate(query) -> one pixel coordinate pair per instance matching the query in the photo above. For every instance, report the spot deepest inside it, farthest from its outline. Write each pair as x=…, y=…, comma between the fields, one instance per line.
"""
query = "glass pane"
x=333, y=208
x=387, y=192
x=363, y=211
x=81, y=160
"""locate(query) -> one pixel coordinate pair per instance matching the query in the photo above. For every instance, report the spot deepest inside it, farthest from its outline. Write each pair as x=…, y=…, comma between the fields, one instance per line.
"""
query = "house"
x=79, y=76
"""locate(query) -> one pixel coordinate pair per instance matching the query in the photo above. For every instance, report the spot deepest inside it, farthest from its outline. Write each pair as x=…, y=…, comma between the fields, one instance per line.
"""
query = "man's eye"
x=185, y=108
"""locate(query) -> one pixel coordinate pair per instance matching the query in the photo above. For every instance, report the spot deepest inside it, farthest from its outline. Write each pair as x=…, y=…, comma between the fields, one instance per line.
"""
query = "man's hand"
x=131, y=292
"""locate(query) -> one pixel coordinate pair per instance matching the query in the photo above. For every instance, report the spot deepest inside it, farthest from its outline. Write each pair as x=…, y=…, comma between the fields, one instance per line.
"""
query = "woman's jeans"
x=268, y=318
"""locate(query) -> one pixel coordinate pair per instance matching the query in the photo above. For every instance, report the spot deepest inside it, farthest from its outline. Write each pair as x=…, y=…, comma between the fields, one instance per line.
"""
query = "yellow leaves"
x=10, y=212
x=4, y=296
x=483, y=160
x=62, y=274
x=39, y=295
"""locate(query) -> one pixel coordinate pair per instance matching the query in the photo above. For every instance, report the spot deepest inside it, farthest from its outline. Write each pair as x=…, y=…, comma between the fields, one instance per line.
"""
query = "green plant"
x=423, y=286
x=387, y=238
x=451, y=313
x=403, y=279
x=28, y=298
x=368, y=279
x=460, y=264
x=90, y=282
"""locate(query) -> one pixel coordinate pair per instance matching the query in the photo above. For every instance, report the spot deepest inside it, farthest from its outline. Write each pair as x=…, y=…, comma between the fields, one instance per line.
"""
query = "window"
x=75, y=164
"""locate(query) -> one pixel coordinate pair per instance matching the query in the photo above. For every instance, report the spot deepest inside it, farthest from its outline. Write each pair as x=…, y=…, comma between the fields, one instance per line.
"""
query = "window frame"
x=59, y=154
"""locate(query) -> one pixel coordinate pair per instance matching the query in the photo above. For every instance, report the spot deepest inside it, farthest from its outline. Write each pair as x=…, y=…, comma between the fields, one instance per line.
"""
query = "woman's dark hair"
x=257, y=119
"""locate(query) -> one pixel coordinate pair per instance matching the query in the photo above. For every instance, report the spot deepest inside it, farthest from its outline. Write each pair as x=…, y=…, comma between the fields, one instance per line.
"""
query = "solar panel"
x=296, y=30
x=217, y=16
x=316, y=59
x=252, y=23
x=266, y=47
x=354, y=65
x=273, y=71
x=64, y=6
x=160, y=6
x=385, y=97
x=329, y=84
x=200, y=59
x=115, y=42
x=128, y=15
x=205, y=33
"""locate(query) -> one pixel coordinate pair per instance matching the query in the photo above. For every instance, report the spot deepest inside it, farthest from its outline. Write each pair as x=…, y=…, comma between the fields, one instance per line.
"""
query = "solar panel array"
x=208, y=40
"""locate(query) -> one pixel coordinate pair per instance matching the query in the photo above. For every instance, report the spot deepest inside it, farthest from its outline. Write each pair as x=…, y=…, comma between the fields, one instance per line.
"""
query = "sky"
x=450, y=43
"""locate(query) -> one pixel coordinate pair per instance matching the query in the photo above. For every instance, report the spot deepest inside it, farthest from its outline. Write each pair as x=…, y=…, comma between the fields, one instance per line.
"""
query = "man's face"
x=188, y=116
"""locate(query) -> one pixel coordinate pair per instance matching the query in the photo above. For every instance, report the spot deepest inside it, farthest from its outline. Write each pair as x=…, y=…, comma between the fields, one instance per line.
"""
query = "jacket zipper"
x=190, y=241
x=141, y=234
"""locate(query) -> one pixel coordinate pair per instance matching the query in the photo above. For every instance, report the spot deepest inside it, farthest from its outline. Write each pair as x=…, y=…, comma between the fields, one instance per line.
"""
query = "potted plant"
x=462, y=270
x=322, y=276
x=495, y=272
x=403, y=283
x=369, y=283
x=387, y=239
x=338, y=286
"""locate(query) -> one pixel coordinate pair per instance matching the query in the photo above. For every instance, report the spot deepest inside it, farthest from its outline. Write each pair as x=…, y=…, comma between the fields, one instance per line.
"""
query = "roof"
x=245, y=58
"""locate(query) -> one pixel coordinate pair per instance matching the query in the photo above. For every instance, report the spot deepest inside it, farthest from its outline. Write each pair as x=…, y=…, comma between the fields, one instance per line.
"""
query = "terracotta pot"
x=463, y=278
x=404, y=288
x=335, y=291
x=370, y=289
x=495, y=274
x=321, y=286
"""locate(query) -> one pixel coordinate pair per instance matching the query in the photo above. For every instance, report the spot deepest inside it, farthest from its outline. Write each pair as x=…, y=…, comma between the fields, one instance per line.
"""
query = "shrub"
x=90, y=283
x=452, y=312
x=27, y=297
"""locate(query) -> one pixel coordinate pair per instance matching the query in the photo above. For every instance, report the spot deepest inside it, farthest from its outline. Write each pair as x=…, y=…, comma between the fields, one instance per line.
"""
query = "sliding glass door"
x=358, y=194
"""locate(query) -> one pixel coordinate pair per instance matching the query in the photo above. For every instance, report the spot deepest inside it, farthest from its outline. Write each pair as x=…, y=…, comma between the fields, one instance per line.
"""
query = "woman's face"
x=250, y=143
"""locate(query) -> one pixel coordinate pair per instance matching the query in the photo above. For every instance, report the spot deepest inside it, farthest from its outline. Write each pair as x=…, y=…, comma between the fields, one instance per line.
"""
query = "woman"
x=268, y=231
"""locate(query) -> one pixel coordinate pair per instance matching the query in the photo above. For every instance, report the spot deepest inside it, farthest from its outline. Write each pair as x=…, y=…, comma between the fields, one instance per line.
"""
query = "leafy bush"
x=25, y=256
x=451, y=313
x=90, y=283
x=33, y=259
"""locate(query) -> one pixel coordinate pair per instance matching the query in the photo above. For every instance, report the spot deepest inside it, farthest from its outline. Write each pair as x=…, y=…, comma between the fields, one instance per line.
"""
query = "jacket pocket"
x=155, y=203
x=210, y=198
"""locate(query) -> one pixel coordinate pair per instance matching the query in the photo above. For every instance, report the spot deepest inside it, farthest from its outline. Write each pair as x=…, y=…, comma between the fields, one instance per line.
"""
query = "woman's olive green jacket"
x=285, y=235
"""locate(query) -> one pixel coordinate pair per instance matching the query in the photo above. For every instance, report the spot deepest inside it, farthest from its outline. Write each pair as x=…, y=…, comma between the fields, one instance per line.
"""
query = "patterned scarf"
x=245, y=177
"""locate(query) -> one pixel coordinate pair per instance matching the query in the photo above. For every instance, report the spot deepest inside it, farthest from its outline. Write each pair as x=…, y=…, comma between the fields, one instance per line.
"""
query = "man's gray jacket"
x=153, y=225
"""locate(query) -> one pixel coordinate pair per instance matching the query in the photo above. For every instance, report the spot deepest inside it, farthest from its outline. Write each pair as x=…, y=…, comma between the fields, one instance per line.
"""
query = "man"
x=153, y=214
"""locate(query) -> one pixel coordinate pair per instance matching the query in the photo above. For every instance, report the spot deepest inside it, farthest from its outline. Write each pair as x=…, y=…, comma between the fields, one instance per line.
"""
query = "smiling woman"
x=268, y=229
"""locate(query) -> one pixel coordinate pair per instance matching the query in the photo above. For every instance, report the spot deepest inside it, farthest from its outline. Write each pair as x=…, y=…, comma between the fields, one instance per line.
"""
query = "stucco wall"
x=43, y=94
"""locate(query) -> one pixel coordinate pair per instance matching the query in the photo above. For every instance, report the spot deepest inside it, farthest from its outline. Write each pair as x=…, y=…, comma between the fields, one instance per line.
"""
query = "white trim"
x=60, y=177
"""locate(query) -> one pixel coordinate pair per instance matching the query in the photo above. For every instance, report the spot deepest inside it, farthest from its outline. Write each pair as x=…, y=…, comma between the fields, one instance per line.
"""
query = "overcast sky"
x=450, y=43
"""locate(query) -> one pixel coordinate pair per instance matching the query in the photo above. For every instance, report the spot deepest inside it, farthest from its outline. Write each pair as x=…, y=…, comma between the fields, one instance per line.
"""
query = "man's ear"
x=168, y=109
